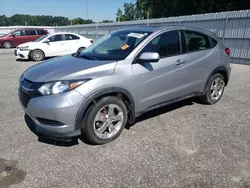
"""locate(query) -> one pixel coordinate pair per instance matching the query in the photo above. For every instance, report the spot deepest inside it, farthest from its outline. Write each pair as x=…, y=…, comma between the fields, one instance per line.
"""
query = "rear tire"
x=99, y=126
x=214, y=89
x=37, y=55
x=7, y=44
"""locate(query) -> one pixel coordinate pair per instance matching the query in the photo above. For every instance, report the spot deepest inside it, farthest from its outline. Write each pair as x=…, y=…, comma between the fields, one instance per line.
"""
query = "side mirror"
x=13, y=35
x=149, y=57
x=47, y=41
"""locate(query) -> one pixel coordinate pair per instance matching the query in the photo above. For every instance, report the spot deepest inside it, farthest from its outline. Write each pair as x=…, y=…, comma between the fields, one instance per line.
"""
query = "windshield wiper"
x=84, y=56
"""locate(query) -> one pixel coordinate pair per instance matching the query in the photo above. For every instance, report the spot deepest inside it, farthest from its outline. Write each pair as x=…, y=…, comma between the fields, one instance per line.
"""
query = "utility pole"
x=134, y=10
x=70, y=18
x=86, y=7
x=148, y=19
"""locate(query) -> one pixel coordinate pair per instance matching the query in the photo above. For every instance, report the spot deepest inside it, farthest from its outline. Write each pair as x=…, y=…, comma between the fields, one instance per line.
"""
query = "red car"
x=21, y=36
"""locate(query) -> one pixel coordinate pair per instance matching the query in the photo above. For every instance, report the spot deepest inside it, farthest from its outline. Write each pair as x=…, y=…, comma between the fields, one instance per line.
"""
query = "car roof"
x=163, y=28
x=29, y=29
x=63, y=33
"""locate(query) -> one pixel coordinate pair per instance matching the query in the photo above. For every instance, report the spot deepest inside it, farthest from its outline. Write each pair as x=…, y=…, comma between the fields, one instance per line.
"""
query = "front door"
x=55, y=46
x=163, y=80
x=18, y=38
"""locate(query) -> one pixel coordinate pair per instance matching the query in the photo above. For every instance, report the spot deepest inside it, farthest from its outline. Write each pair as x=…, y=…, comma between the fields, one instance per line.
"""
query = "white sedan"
x=52, y=45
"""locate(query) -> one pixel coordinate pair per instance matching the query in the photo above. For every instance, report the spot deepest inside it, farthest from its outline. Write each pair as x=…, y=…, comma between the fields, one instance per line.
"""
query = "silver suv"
x=124, y=74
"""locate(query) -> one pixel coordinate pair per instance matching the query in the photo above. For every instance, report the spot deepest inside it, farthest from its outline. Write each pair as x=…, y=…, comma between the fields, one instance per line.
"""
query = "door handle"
x=180, y=62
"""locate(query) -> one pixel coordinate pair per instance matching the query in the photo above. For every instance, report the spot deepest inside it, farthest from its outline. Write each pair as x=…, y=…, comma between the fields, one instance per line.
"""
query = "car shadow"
x=143, y=117
x=162, y=110
x=29, y=60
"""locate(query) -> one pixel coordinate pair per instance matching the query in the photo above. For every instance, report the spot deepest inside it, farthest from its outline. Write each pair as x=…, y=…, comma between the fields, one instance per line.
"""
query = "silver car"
x=124, y=74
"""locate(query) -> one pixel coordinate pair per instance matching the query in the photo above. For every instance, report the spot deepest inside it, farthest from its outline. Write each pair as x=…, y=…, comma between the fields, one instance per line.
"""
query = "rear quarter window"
x=213, y=42
x=195, y=41
x=41, y=32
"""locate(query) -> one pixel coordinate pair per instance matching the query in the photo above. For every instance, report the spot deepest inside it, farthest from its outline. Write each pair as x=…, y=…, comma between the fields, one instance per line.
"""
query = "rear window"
x=71, y=37
x=41, y=32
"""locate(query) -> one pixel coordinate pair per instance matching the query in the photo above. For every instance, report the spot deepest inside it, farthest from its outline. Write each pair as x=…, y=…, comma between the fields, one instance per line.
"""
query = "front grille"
x=24, y=97
x=27, y=91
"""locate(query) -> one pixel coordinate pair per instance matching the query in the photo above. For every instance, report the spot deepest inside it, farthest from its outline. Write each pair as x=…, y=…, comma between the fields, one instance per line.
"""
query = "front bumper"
x=54, y=116
x=21, y=54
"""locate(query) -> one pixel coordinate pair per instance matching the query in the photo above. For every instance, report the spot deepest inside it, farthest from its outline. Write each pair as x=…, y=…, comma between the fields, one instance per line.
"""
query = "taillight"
x=92, y=41
x=228, y=51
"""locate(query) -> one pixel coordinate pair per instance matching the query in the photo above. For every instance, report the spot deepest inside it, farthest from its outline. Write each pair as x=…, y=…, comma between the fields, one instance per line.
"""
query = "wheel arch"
x=223, y=71
x=121, y=93
x=7, y=41
x=36, y=49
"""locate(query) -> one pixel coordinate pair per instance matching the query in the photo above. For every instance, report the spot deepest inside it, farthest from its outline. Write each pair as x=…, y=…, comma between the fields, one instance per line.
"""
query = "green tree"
x=107, y=21
x=119, y=15
x=166, y=8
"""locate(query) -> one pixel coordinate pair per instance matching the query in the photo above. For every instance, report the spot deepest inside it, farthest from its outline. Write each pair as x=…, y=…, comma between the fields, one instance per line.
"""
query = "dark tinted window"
x=30, y=32
x=165, y=44
x=41, y=32
x=55, y=38
x=195, y=41
x=71, y=37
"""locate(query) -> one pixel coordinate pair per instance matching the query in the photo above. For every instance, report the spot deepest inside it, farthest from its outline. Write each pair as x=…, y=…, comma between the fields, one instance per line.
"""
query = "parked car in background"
x=21, y=36
x=121, y=76
x=57, y=44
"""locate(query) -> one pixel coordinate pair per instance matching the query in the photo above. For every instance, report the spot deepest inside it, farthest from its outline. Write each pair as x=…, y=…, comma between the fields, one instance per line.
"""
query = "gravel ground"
x=182, y=145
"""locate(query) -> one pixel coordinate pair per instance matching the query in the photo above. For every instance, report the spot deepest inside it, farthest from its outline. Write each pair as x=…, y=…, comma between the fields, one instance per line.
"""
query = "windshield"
x=41, y=38
x=115, y=46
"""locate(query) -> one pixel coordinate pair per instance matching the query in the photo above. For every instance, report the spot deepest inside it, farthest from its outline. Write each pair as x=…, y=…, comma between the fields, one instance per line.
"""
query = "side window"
x=55, y=38
x=195, y=41
x=71, y=37
x=166, y=44
x=18, y=33
x=30, y=32
x=41, y=32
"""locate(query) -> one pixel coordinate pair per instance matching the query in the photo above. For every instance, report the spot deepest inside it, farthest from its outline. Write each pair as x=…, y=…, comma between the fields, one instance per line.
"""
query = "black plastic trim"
x=218, y=69
x=81, y=112
x=40, y=131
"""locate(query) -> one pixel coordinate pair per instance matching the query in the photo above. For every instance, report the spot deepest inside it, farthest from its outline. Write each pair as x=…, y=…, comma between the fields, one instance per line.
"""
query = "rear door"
x=30, y=35
x=40, y=33
x=72, y=43
x=198, y=55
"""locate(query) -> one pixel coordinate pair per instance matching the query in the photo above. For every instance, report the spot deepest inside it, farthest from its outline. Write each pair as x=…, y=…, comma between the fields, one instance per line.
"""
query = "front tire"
x=37, y=55
x=7, y=44
x=105, y=120
x=214, y=89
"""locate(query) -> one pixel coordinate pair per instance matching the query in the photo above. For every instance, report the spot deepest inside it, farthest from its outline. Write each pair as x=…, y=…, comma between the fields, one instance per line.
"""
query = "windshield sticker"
x=124, y=47
x=136, y=35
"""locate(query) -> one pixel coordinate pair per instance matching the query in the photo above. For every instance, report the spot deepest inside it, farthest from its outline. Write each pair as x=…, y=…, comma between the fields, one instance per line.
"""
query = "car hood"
x=27, y=44
x=69, y=68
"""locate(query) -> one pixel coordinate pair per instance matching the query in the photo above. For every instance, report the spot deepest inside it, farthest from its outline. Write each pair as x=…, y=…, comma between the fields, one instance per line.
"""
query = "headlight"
x=24, y=48
x=59, y=87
